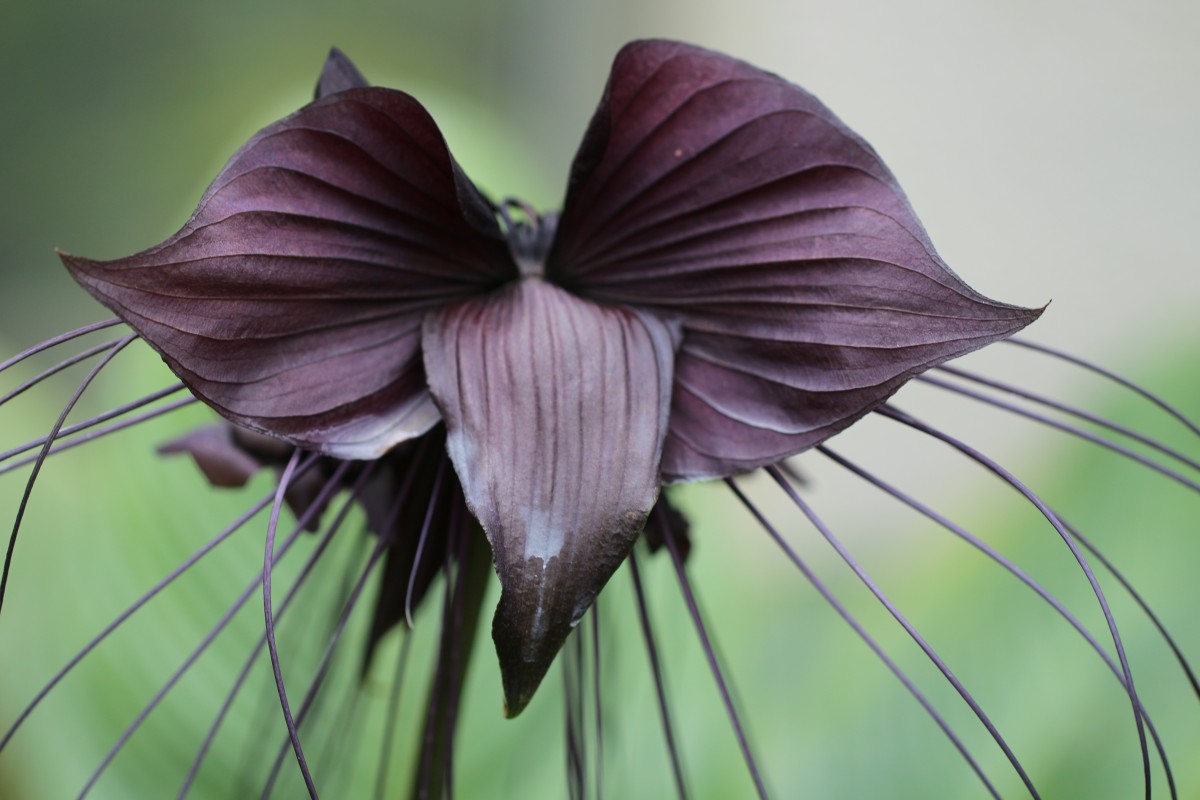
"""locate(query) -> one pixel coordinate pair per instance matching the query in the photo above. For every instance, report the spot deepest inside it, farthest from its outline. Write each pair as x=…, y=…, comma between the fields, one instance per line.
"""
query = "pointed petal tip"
x=520, y=685
x=526, y=649
x=338, y=75
x=514, y=704
x=76, y=265
x=521, y=680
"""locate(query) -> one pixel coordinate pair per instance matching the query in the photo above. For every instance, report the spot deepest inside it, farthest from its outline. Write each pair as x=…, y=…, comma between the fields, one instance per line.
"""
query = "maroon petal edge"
x=555, y=412
x=291, y=301
x=721, y=194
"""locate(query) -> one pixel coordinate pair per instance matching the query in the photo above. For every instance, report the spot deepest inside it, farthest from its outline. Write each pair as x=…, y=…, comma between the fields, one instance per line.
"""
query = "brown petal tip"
x=523, y=663
x=532, y=622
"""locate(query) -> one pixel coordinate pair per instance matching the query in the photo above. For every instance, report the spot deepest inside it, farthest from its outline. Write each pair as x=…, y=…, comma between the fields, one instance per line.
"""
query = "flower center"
x=530, y=237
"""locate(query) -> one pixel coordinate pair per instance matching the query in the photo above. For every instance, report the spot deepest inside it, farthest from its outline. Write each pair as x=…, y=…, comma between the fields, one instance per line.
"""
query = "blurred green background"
x=1050, y=149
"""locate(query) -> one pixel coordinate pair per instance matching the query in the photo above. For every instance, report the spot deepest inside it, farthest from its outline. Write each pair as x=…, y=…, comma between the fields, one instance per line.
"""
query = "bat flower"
x=734, y=277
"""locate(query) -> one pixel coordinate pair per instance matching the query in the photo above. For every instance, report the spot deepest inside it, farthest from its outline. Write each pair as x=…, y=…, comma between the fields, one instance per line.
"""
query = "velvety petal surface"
x=292, y=300
x=555, y=411
x=809, y=292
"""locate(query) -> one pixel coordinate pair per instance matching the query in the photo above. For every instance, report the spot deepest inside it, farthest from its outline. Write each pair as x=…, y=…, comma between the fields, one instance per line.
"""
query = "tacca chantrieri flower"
x=734, y=277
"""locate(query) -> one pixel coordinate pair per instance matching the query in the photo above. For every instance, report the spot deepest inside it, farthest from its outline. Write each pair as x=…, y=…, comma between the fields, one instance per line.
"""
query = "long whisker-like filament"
x=1109, y=375
x=392, y=715
x=37, y=467
x=599, y=719
x=95, y=350
x=1062, y=426
x=386, y=535
x=427, y=772
x=854, y=624
x=893, y=413
x=980, y=545
x=343, y=735
x=433, y=744
x=908, y=626
x=322, y=671
x=572, y=670
x=333, y=527
x=470, y=585
x=664, y=711
x=710, y=653
x=191, y=659
x=434, y=496
x=1014, y=570
x=1184, y=663
x=57, y=340
x=96, y=420
x=460, y=619
x=1070, y=410
x=131, y=610
x=269, y=619
x=60, y=445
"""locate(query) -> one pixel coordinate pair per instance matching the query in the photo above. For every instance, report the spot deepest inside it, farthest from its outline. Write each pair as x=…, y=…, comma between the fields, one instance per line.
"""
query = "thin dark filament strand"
x=305, y=571
x=332, y=743
x=322, y=672
x=191, y=659
x=1137, y=598
x=983, y=547
x=265, y=711
x=131, y=610
x=1066, y=428
x=443, y=682
x=656, y=669
x=580, y=713
x=57, y=368
x=1078, y=413
x=425, y=776
x=572, y=678
x=343, y=735
x=269, y=619
x=434, y=496
x=599, y=722
x=457, y=548
x=96, y=420
x=711, y=655
x=443, y=688
x=458, y=541
x=893, y=413
x=1020, y=575
x=305, y=642
x=834, y=542
x=850, y=620
x=392, y=716
x=1108, y=374
x=91, y=436
x=372, y=559
x=387, y=528
x=57, y=340
x=41, y=459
